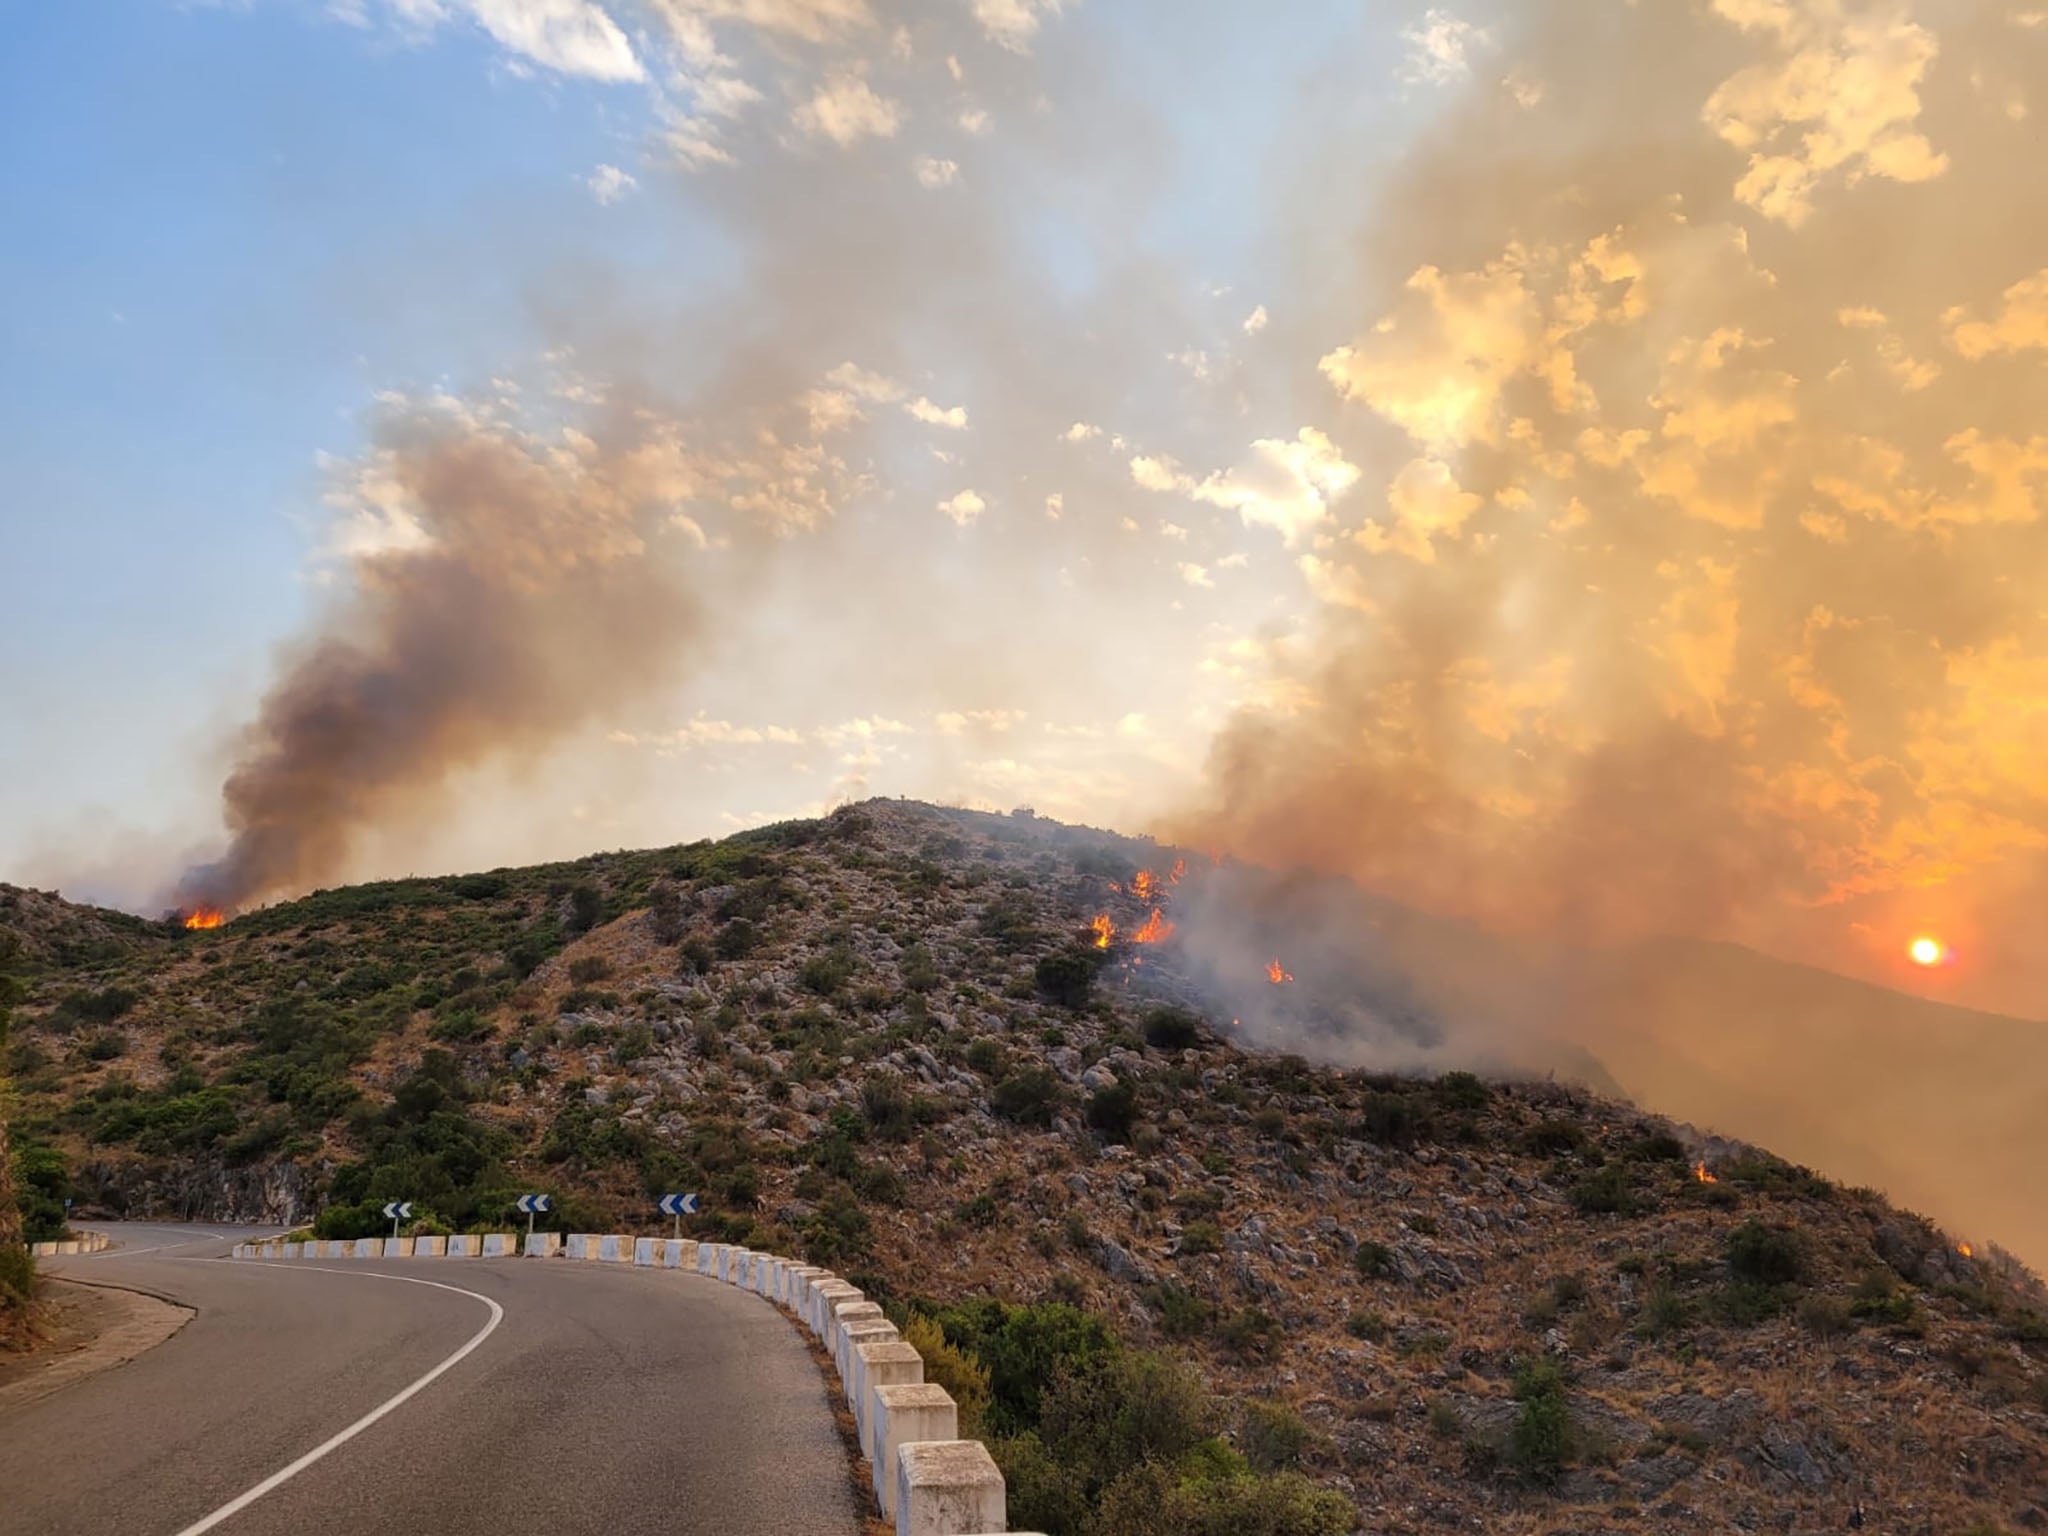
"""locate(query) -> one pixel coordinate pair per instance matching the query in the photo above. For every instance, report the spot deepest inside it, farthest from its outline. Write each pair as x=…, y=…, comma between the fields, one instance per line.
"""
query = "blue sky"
x=242, y=221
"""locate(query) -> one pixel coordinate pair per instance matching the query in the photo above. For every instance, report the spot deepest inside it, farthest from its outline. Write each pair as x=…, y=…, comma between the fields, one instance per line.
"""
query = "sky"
x=1568, y=465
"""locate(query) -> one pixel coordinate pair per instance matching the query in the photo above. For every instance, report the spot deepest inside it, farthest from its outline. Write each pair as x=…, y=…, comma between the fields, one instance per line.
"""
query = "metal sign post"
x=679, y=1206
x=398, y=1210
x=531, y=1204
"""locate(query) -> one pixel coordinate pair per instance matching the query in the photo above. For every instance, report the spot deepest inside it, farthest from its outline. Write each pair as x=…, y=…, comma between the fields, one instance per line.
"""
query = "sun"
x=1926, y=951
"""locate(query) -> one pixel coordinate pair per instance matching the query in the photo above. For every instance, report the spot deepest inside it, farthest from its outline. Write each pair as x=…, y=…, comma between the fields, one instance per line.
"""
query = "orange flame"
x=1278, y=974
x=1105, y=930
x=1145, y=885
x=1156, y=930
x=205, y=917
x=1699, y=1171
x=1180, y=868
x=1963, y=1249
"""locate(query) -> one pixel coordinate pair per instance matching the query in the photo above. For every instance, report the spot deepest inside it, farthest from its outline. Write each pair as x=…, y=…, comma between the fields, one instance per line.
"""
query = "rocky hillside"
x=976, y=1062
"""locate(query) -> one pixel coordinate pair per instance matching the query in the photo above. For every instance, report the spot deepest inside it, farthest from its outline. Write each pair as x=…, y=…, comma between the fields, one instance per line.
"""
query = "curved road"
x=590, y=1398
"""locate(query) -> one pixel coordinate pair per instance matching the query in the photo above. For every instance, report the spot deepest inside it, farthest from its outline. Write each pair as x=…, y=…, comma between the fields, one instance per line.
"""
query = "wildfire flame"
x=1699, y=1171
x=1180, y=867
x=205, y=917
x=1145, y=885
x=1963, y=1249
x=1156, y=930
x=1105, y=930
x=1278, y=974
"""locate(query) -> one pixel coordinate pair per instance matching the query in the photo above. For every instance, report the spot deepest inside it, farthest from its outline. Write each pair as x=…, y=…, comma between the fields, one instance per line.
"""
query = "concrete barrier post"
x=583, y=1245
x=291, y=1250
x=645, y=1252
x=543, y=1245
x=501, y=1245
x=398, y=1247
x=678, y=1253
x=908, y=1415
x=430, y=1247
x=369, y=1247
x=840, y=1311
x=877, y=1330
x=614, y=1248
x=884, y=1364
x=709, y=1256
x=464, y=1245
x=823, y=1295
x=731, y=1262
x=793, y=1277
x=862, y=1311
x=948, y=1488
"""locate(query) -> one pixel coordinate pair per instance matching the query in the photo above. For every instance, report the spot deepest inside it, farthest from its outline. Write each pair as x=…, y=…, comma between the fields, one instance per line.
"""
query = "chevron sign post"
x=679, y=1206
x=531, y=1205
x=398, y=1210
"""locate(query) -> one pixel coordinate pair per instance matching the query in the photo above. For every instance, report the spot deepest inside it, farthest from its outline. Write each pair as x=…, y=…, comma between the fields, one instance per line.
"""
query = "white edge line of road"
x=285, y=1474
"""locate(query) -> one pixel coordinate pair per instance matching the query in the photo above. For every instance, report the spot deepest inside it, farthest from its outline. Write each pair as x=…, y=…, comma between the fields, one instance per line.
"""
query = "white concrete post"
x=464, y=1245
x=794, y=1277
x=543, y=1245
x=430, y=1247
x=731, y=1264
x=875, y=1330
x=583, y=1245
x=678, y=1253
x=882, y=1364
x=948, y=1488
x=397, y=1247
x=644, y=1252
x=613, y=1248
x=823, y=1296
x=501, y=1245
x=292, y=1250
x=843, y=1308
x=908, y=1415
x=709, y=1256
x=368, y=1247
x=862, y=1311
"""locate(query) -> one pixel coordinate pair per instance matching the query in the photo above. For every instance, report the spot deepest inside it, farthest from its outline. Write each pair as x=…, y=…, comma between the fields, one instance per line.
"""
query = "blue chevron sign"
x=530, y=1204
x=398, y=1210
x=678, y=1205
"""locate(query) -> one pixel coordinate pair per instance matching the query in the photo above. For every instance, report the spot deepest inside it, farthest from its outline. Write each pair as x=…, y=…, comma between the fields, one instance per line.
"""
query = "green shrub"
x=1609, y=1190
x=1272, y=1436
x=1373, y=1260
x=1113, y=1111
x=1549, y=1138
x=1067, y=976
x=1030, y=1097
x=1825, y=1317
x=948, y=1366
x=17, y=1276
x=1199, y=1237
x=1765, y=1255
x=1463, y=1091
x=1880, y=1298
x=1366, y=1324
x=1392, y=1119
x=1540, y=1440
x=1182, y=1314
x=1171, y=1029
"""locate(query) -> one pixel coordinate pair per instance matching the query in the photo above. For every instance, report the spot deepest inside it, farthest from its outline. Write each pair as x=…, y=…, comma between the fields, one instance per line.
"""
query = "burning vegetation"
x=203, y=917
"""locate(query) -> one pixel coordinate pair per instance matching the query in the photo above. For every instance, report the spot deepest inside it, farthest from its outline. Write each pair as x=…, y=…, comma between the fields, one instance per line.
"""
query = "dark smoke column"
x=527, y=589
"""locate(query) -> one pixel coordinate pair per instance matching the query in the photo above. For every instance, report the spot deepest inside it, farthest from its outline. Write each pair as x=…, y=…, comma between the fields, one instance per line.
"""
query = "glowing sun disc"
x=1926, y=951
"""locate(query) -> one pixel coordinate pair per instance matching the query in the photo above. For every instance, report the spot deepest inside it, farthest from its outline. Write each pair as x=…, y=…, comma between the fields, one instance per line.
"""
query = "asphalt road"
x=591, y=1399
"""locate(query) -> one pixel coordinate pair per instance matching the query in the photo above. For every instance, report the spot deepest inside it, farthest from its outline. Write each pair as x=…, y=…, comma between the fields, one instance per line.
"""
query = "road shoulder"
x=87, y=1328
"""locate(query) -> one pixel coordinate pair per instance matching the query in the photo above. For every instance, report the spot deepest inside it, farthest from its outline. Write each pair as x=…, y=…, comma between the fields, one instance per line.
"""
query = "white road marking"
x=285, y=1474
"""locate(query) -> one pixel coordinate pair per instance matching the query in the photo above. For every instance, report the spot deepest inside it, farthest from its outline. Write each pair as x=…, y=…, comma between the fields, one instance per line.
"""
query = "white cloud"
x=932, y=415
x=1439, y=48
x=1286, y=485
x=935, y=173
x=974, y=121
x=608, y=183
x=1081, y=432
x=1255, y=322
x=1055, y=504
x=1013, y=23
x=574, y=36
x=1196, y=575
x=964, y=508
x=845, y=109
